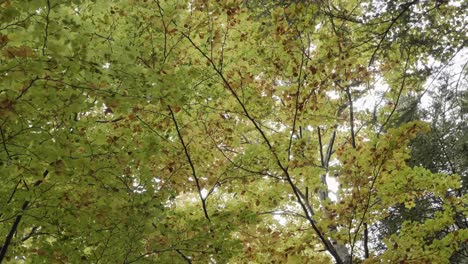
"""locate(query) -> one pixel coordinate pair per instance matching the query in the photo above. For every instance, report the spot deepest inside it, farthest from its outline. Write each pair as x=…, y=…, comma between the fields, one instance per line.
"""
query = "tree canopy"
x=232, y=131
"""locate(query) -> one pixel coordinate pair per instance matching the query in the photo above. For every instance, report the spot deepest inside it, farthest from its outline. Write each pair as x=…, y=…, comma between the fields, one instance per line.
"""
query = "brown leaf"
x=313, y=69
x=20, y=52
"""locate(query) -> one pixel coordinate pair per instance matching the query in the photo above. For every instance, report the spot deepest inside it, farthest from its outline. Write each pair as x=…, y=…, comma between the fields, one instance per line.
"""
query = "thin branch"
x=25, y=89
x=46, y=30
x=236, y=96
x=330, y=148
x=353, y=143
x=299, y=82
x=108, y=38
x=144, y=62
x=110, y=121
x=33, y=231
x=4, y=145
x=187, y=154
x=262, y=173
x=223, y=44
x=14, y=227
x=460, y=75
x=398, y=97
x=351, y=117
x=147, y=254
x=322, y=161
x=14, y=191
x=444, y=151
x=307, y=210
x=12, y=232
x=20, y=23
x=282, y=212
x=376, y=172
x=366, y=241
x=152, y=130
x=183, y=256
x=160, y=10
x=405, y=8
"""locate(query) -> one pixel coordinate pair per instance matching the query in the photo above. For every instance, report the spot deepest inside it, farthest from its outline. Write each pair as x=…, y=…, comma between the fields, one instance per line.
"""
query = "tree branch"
x=307, y=210
x=405, y=8
x=160, y=10
x=14, y=227
x=299, y=82
x=183, y=256
x=194, y=174
x=351, y=117
x=5, y=147
x=46, y=30
x=322, y=161
x=398, y=97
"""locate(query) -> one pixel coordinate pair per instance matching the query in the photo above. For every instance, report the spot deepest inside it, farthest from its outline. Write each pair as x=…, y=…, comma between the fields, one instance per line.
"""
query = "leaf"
x=230, y=132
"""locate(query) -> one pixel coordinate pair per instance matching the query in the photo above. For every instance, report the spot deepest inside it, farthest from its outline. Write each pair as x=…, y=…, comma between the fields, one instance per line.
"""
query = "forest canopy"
x=233, y=131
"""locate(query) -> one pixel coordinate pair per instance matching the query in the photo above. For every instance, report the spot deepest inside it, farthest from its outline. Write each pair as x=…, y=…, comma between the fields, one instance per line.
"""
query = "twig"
x=110, y=121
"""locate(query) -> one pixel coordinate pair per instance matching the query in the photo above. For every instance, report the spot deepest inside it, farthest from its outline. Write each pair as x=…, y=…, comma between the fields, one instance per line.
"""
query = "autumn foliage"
x=221, y=131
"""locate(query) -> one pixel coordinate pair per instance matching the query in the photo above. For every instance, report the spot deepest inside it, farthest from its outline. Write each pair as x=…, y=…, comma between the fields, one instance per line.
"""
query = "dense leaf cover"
x=230, y=131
